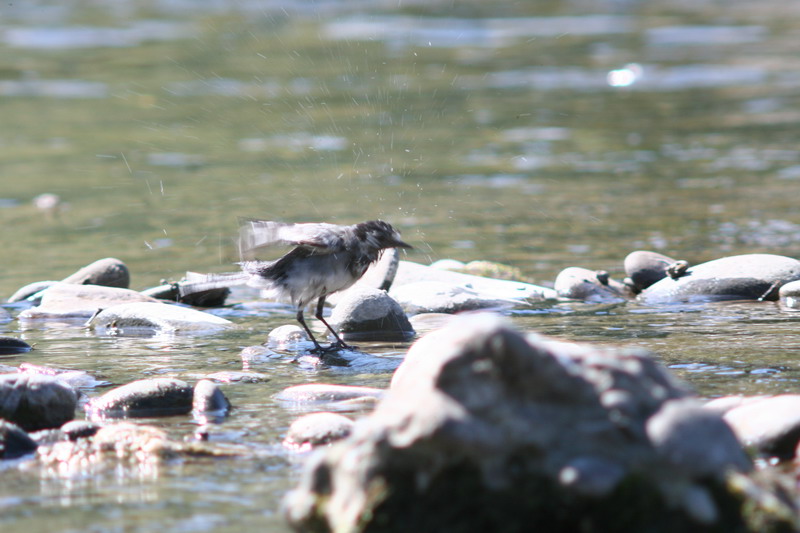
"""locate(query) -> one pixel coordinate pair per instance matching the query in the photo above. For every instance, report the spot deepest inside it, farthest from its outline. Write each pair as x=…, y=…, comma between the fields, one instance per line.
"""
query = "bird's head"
x=379, y=235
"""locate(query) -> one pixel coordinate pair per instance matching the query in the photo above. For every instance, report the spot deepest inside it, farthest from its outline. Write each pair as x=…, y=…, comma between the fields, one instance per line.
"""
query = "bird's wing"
x=322, y=238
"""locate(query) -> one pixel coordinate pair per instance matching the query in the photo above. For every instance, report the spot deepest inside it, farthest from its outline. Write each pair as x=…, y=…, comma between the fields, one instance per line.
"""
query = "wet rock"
x=578, y=283
x=31, y=291
x=287, y=336
x=69, y=301
x=789, y=294
x=316, y=429
x=442, y=297
x=771, y=426
x=142, y=318
x=326, y=393
x=143, y=398
x=369, y=314
x=11, y=345
x=79, y=429
x=409, y=272
x=644, y=268
x=380, y=275
x=208, y=397
x=525, y=430
x=14, y=442
x=36, y=402
x=108, y=272
x=749, y=277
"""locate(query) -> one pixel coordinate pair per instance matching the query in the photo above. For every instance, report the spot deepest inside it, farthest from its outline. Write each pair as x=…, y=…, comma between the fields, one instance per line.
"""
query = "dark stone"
x=144, y=398
x=36, y=402
x=748, y=277
x=14, y=442
x=10, y=345
x=645, y=268
x=370, y=314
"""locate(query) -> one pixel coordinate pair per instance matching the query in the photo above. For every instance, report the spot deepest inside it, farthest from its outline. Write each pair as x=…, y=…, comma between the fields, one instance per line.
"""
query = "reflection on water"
x=539, y=134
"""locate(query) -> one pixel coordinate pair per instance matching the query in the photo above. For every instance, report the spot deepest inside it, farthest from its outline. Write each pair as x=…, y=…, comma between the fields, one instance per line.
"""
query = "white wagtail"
x=326, y=258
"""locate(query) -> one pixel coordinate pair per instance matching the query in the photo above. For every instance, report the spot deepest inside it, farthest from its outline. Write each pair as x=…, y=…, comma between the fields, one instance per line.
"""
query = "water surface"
x=540, y=134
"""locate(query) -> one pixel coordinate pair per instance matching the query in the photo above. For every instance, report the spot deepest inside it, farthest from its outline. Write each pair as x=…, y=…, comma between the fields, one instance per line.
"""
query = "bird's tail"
x=195, y=282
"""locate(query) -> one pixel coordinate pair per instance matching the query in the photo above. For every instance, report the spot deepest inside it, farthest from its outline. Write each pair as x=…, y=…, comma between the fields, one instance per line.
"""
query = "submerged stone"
x=11, y=345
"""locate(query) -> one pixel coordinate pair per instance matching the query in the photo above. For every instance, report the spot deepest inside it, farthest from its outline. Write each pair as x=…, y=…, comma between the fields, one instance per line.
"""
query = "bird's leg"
x=317, y=347
x=339, y=342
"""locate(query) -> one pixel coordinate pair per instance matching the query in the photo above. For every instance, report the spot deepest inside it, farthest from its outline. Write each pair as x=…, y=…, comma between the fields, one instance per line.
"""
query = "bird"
x=325, y=258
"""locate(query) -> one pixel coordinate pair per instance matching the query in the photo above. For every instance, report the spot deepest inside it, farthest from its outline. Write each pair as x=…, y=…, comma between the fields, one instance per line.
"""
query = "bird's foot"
x=333, y=347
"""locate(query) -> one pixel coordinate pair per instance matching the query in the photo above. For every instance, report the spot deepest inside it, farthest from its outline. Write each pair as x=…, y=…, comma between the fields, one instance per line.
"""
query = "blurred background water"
x=542, y=134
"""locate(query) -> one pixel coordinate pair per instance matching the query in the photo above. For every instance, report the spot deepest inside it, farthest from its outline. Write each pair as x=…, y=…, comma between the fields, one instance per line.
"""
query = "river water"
x=539, y=134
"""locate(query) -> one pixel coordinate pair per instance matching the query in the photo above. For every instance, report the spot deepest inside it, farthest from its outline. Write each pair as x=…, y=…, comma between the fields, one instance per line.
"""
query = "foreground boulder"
x=747, y=277
x=484, y=429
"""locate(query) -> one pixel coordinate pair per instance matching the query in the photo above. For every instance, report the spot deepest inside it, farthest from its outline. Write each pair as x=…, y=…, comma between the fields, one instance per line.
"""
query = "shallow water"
x=539, y=134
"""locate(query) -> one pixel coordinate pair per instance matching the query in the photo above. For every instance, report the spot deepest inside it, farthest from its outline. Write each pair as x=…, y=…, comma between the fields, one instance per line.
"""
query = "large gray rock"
x=31, y=292
x=35, y=402
x=749, y=277
x=484, y=429
x=500, y=289
x=143, y=398
x=139, y=318
x=109, y=272
x=369, y=314
x=70, y=301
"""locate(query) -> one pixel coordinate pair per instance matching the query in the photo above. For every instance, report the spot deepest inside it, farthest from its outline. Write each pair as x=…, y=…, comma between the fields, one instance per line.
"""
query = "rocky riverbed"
x=477, y=411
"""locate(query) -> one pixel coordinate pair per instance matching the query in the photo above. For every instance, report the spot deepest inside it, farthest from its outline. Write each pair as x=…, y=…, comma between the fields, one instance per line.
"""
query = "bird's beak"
x=400, y=244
